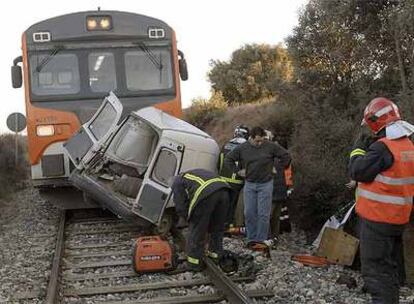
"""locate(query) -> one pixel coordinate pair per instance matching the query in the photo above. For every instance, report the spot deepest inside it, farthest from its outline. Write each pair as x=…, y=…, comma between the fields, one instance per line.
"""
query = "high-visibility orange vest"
x=389, y=198
x=289, y=176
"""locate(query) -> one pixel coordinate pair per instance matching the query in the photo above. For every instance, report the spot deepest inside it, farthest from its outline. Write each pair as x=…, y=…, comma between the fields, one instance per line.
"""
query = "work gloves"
x=182, y=223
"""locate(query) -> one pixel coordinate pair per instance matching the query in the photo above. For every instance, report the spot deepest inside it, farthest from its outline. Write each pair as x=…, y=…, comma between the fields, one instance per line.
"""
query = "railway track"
x=92, y=264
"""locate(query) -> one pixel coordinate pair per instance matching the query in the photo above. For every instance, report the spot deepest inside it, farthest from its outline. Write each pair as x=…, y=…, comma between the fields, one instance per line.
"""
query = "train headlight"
x=45, y=130
x=105, y=23
x=91, y=24
x=98, y=23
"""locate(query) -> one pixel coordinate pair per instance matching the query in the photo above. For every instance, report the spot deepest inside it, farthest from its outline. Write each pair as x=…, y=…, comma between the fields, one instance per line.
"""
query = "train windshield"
x=68, y=74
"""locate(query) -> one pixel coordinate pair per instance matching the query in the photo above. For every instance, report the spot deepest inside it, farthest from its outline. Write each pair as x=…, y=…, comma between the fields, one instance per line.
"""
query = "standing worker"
x=257, y=157
x=230, y=175
x=383, y=166
x=282, y=187
x=201, y=198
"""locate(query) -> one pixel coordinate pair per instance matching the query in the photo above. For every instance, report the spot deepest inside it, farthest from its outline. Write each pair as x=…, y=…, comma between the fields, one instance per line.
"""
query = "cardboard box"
x=337, y=246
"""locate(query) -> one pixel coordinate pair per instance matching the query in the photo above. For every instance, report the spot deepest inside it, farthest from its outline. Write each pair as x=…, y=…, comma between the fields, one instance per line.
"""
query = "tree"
x=253, y=72
x=344, y=53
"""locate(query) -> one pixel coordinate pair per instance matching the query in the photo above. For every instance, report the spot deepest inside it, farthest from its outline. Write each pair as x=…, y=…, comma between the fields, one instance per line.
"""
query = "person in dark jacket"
x=230, y=175
x=257, y=157
x=201, y=198
x=280, y=220
x=383, y=166
x=282, y=184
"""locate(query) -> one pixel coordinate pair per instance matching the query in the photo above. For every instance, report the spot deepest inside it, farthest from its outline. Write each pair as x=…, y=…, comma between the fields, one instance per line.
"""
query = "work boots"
x=187, y=266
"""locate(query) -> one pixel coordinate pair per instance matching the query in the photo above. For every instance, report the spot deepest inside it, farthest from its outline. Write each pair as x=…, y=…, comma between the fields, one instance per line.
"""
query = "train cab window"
x=102, y=77
x=65, y=77
x=148, y=70
x=54, y=75
x=45, y=78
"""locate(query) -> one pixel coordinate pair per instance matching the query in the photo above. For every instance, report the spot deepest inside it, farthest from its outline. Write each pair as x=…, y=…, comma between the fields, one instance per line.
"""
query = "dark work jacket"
x=184, y=189
x=364, y=168
x=258, y=161
x=279, y=183
x=230, y=173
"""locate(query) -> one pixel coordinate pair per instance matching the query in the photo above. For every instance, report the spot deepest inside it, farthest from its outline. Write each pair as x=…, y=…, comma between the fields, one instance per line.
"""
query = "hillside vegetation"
x=312, y=93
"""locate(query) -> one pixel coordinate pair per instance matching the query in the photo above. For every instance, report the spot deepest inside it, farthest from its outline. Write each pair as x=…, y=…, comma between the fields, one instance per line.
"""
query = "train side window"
x=165, y=166
x=102, y=77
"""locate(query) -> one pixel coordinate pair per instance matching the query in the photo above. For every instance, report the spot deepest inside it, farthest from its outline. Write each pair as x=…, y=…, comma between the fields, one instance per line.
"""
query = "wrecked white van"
x=129, y=167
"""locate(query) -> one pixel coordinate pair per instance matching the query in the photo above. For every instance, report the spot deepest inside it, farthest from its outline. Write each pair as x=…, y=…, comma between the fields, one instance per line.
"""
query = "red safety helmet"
x=379, y=113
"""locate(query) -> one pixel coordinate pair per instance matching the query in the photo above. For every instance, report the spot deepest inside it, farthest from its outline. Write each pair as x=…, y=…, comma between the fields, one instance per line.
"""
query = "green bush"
x=12, y=175
x=320, y=149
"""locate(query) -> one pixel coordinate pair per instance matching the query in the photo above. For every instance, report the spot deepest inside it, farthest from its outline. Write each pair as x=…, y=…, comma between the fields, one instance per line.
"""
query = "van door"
x=155, y=191
x=82, y=146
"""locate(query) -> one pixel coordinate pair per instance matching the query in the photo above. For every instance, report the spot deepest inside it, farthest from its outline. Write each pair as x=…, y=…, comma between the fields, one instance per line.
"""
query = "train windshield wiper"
x=157, y=63
x=49, y=57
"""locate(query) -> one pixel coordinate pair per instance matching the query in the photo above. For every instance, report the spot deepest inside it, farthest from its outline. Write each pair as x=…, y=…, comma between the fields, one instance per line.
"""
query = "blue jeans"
x=257, y=209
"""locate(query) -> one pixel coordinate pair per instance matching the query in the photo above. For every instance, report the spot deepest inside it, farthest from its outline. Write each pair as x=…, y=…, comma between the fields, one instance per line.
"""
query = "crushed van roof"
x=164, y=121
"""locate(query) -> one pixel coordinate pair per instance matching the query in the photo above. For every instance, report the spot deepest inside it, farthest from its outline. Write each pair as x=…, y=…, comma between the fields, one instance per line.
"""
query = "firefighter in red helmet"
x=383, y=166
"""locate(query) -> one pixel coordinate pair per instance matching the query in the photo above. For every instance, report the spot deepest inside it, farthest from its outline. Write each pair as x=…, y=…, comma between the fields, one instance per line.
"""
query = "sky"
x=205, y=30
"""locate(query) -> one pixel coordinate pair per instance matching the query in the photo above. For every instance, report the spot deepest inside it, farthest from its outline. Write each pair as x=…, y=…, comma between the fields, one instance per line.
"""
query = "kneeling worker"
x=202, y=198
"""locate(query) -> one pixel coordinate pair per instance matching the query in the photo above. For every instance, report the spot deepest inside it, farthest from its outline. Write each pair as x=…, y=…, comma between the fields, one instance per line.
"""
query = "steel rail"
x=227, y=289
x=231, y=291
x=52, y=288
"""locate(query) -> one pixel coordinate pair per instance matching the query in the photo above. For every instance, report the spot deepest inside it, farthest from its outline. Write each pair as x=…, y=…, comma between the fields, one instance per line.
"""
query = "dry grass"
x=269, y=114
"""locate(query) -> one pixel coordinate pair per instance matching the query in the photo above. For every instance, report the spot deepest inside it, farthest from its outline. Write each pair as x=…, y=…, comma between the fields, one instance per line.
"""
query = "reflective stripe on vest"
x=394, y=181
x=221, y=163
x=357, y=152
x=232, y=180
x=194, y=178
x=388, y=199
x=193, y=260
x=203, y=184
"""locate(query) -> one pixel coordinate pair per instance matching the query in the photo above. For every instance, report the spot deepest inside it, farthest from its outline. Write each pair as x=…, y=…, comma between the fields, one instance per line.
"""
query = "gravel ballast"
x=27, y=236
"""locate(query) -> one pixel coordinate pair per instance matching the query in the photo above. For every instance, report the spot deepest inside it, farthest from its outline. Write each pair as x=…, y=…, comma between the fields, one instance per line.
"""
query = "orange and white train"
x=70, y=62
